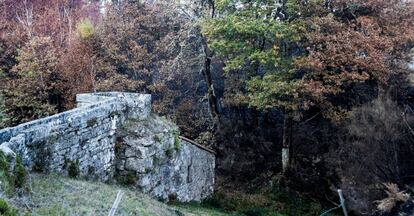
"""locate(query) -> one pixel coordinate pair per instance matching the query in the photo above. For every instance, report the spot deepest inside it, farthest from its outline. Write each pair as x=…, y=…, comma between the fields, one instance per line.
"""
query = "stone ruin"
x=114, y=135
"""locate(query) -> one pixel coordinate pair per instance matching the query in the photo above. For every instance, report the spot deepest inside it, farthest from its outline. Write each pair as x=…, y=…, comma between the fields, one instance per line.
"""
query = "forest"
x=298, y=98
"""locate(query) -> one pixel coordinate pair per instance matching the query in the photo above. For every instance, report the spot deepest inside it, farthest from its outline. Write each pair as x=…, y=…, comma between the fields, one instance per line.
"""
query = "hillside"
x=56, y=195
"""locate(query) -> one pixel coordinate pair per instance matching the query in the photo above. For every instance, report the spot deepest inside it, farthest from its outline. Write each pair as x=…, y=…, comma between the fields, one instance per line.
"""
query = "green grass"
x=198, y=209
x=56, y=195
x=268, y=203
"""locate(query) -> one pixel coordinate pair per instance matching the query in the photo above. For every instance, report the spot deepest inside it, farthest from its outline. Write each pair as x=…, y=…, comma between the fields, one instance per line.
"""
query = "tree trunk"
x=287, y=143
x=211, y=95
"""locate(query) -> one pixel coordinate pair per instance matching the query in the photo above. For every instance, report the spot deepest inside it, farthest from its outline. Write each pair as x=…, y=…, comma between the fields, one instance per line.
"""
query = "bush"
x=73, y=169
x=19, y=173
x=127, y=179
x=12, y=179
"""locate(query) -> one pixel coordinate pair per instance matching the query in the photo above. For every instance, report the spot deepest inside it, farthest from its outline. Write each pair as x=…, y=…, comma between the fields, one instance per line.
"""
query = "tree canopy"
x=301, y=54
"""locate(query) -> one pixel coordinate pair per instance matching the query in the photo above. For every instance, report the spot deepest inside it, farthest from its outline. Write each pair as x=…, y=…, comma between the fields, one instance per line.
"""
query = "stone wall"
x=111, y=135
x=153, y=157
x=85, y=135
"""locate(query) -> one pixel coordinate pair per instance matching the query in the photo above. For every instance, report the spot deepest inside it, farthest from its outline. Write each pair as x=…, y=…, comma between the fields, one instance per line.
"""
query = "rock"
x=6, y=150
x=9, y=154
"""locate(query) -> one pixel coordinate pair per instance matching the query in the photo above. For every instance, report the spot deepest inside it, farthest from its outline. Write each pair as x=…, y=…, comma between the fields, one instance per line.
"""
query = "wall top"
x=139, y=105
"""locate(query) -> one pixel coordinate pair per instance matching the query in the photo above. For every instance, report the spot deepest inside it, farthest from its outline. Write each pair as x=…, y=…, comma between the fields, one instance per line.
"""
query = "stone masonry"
x=153, y=157
x=163, y=164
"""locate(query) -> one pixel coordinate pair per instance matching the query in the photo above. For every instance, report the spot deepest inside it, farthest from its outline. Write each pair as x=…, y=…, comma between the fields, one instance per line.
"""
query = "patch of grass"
x=195, y=208
x=266, y=204
x=56, y=195
x=55, y=209
x=6, y=209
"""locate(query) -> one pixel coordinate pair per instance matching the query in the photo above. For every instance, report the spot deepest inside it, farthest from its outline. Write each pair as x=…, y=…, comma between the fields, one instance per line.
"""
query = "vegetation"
x=73, y=169
x=6, y=210
x=268, y=204
x=177, y=142
x=128, y=179
x=3, y=116
x=13, y=175
x=316, y=90
x=76, y=197
x=305, y=54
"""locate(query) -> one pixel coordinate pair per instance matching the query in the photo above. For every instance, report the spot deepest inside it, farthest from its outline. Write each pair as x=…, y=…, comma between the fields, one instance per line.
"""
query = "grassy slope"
x=54, y=195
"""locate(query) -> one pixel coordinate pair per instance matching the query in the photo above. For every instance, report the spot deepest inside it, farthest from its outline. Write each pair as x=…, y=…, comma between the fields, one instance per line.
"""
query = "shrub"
x=19, y=173
x=12, y=179
x=4, y=163
x=73, y=169
x=128, y=178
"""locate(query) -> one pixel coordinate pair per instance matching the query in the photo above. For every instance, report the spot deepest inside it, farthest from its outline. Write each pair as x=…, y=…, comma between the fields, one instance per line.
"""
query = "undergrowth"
x=11, y=177
x=275, y=203
x=13, y=181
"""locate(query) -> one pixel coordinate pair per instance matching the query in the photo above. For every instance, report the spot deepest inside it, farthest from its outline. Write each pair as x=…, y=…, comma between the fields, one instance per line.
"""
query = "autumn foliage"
x=335, y=70
x=350, y=43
